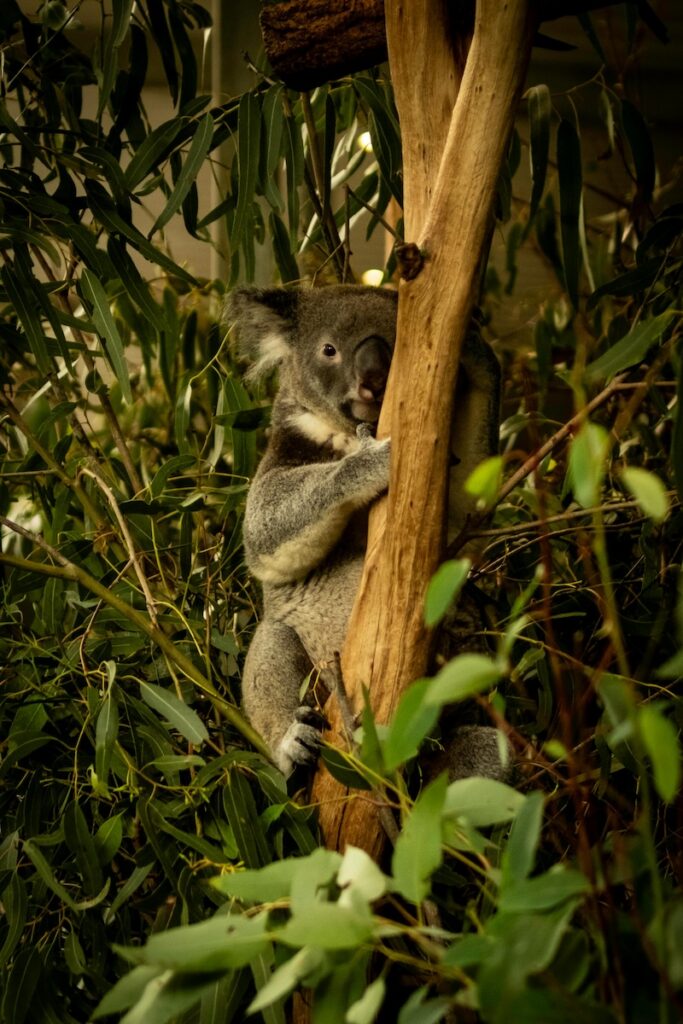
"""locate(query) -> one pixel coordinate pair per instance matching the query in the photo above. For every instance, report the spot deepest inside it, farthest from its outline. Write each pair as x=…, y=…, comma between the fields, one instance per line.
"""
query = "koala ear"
x=265, y=319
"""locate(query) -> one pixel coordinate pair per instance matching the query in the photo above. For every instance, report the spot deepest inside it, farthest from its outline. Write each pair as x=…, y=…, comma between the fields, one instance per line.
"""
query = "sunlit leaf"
x=444, y=588
x=660, y=737
x=648, y=490
x=418, y=853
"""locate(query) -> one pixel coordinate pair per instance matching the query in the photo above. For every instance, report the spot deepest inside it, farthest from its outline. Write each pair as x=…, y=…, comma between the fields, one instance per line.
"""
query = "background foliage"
x=132, y=793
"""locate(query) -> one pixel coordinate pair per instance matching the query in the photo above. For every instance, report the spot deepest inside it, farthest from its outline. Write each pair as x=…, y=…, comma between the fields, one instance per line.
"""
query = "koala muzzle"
x=371, y=360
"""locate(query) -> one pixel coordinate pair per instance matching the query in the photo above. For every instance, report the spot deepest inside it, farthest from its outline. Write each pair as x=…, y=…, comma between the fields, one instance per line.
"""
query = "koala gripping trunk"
x=454, y=144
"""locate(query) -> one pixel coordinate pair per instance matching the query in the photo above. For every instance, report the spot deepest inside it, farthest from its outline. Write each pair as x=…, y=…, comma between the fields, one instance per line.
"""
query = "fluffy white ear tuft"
x=272, y=349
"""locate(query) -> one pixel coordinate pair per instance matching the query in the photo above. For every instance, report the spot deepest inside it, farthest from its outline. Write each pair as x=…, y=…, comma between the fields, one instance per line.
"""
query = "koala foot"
x=301, y=743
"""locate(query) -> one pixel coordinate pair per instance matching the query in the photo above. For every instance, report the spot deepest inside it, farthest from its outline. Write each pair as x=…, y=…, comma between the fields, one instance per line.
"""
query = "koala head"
x=333, y=346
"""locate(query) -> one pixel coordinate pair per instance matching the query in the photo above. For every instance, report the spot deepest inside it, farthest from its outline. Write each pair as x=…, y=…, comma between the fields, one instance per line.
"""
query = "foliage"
x=139, y=829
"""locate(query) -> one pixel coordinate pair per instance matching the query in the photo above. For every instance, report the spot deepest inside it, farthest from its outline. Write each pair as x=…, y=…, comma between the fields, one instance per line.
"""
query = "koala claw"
x=301, y=743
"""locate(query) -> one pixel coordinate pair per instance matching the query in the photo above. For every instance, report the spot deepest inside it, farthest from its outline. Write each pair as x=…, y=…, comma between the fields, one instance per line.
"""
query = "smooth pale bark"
x=453, y=153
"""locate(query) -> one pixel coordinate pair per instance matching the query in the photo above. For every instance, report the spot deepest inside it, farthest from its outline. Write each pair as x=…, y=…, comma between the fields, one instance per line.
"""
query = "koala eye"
x=329, y=351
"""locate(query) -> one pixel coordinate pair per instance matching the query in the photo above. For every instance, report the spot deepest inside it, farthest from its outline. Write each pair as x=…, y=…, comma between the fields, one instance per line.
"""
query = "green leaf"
x=240, y=810
x=313, y=878
x=648, y=490
x=484, y=482
x=81, y=843
x=224, y=941
x=660, y=738
x=201, y=143
x=108, y=216
x=271, y=142
x=418, y=853
x=463, y=677
x=107, y=330
x=444, y=588
x=108, y=838
x=14, y=902
x=519, y=854
x=121, y=16
x=21, y=984
x=413, y=720
x=153, y=147
x=587, y=458
x=126, y=891
x=166, y=997
x=136, y=288
x=571, y=188
x=327, y=926
x=249, y=127
x=264, y=885
x=106, y=733
x=416, y=1011
x=126, y=991
x=287, y=977
x=365, y=1009
x=28, y=317
x=677, y=436
x=358, y=875
x=543, y=892
x=181, y=421
x=286, y=263
x=294, y=154
x=482, y=801
x=540, y=108
x=340, y=768
x=169, y=706
x=44, y=870
x=631, y=349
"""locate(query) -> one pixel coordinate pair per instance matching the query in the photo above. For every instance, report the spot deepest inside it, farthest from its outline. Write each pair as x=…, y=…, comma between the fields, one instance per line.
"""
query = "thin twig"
x=132, y=553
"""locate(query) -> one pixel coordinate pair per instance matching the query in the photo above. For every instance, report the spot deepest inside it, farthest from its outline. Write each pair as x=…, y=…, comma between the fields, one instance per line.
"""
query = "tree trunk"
x=454, y=143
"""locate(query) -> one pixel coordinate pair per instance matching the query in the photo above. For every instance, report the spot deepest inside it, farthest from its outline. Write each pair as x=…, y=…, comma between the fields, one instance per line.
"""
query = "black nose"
x=372, y=359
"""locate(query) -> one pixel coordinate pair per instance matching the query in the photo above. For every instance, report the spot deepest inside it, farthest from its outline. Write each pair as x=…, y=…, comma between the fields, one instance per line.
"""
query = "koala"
x=305, y=525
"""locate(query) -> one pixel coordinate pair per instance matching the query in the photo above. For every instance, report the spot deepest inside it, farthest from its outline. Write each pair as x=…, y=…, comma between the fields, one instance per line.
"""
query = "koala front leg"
x=274, y=670
x=295, y=515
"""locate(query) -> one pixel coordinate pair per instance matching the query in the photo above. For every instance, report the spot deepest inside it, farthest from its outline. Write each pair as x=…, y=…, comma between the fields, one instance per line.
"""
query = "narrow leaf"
x=571, y=185
x=107, y=330
x=540, y=107
x=201, y=143
x=183, y=718
x=249, y=127
x=520, y=853
x=444, y=588
x=631, y=349
x=271, y=145
x=660, y=737
x=153, y=147
x=544, y=891
x=413, y=720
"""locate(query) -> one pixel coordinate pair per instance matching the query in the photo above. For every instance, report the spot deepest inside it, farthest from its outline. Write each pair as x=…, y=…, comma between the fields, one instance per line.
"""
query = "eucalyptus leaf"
x=183, y=718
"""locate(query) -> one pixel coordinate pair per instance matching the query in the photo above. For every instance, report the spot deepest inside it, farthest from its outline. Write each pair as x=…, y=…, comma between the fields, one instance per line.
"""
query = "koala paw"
x=301, y=743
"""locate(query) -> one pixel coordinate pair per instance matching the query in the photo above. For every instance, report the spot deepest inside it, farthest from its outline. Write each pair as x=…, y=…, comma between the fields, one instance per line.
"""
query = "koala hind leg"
x=275, y=667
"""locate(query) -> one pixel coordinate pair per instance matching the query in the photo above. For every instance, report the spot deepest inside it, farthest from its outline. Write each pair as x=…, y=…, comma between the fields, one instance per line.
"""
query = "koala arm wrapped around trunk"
x=295, y=515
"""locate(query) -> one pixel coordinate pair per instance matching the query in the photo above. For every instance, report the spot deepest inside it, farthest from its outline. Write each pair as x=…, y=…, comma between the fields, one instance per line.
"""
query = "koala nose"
x=372, y=359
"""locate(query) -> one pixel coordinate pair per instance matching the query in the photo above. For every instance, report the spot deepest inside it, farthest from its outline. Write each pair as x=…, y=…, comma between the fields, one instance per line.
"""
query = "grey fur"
x=306, y=516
